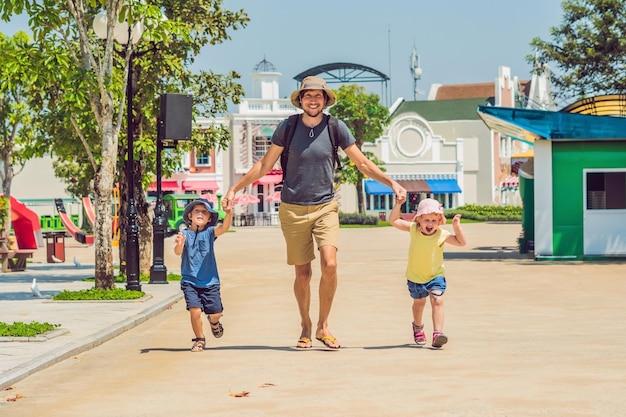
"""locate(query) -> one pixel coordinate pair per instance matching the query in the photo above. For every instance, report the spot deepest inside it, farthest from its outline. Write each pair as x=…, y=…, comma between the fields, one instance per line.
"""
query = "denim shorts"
x=424, y=290
x=208, y=299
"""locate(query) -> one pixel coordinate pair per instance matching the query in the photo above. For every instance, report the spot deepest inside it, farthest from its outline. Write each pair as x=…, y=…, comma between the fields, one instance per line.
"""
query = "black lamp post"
x=132, y=228
x=158, y=270
x=123, y=33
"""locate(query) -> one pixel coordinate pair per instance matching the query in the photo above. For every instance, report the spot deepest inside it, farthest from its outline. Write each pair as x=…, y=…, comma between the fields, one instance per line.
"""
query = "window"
x=261, y=145
x=505, y=146
x=203, y=160
x=606, y=190
x=380, y=202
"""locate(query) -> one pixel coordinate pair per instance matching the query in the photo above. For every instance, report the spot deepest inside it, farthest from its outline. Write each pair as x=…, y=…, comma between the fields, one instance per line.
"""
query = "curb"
x=74, y=348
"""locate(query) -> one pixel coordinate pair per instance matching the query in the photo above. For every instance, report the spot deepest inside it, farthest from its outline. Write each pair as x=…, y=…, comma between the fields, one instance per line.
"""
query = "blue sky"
x=458, y=41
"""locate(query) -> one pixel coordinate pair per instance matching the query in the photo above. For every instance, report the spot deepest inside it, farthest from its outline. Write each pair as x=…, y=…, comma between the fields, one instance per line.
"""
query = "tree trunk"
x=7, y=178
x=359, y=195
x=103, y=191
x=144, y=218
x=145, y=234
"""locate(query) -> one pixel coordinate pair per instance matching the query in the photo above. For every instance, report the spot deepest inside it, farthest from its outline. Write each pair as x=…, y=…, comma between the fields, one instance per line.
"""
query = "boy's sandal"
x=216, y=329
x=198, y=344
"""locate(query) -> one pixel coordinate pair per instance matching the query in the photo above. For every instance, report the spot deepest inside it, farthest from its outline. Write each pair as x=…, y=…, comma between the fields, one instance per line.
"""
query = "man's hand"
x=399, y=191
x=227, y=201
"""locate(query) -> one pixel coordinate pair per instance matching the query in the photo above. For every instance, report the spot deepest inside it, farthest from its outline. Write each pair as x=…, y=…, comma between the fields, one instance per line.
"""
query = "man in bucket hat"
x=308, y=210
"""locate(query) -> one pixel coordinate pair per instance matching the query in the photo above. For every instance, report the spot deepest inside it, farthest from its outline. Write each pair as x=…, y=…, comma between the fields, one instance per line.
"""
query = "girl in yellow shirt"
x=425, y=272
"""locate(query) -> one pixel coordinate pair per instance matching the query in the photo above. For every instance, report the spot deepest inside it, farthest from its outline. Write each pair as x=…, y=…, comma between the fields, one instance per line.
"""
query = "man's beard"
x=313, y=113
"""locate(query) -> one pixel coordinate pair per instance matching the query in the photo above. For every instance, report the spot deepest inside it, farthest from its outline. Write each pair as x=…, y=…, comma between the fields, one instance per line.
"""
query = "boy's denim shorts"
x=424, y=290
x=208, y=299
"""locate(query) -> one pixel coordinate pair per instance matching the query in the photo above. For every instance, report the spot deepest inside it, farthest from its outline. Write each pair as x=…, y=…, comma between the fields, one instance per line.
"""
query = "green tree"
x=366, y=118
x=159, y=68
x=17, y=132
x=587, y=50
x=82, y=81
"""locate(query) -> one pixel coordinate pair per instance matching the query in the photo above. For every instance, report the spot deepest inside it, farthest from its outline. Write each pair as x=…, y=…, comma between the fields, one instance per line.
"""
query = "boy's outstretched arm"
x=223, y=227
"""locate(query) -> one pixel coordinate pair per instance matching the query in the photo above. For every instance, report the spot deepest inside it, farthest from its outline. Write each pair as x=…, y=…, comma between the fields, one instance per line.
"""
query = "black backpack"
x=292, y=122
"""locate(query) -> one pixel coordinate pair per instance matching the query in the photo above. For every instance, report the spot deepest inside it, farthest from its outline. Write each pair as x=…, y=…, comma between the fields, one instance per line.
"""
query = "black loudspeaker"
x=175, y=117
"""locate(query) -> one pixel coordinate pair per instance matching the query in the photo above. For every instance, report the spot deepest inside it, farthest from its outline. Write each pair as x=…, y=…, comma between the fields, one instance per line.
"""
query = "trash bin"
x=55, y=247
x=382, y=215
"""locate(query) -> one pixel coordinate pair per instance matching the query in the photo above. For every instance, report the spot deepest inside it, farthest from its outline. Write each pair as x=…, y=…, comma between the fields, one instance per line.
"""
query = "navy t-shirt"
x=311, y=164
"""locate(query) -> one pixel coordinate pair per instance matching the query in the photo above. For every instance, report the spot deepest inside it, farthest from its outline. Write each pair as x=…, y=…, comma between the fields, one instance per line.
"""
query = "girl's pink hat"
x=428, y=206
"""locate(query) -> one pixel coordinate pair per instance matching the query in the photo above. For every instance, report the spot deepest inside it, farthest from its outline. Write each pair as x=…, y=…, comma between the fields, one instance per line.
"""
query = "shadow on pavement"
x=254, y=347
x=22, y=296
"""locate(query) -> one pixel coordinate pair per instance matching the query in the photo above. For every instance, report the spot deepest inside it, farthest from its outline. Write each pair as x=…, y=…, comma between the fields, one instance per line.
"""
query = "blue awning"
x=528, y=125
x=375, y=188
x=443, y=186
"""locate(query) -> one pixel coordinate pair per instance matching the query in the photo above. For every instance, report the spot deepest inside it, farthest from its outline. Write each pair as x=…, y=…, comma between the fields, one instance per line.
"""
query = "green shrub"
x=98, y=294
x=20, y=329
x=356, y=218
x=471, y=212
x=486, y=213
x=121, y=278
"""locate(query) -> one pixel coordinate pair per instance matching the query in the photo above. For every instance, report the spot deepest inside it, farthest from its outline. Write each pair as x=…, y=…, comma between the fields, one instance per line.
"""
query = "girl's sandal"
x=198, y=344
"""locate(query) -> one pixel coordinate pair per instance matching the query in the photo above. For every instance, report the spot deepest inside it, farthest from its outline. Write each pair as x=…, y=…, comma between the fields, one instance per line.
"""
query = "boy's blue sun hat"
x=207, y=204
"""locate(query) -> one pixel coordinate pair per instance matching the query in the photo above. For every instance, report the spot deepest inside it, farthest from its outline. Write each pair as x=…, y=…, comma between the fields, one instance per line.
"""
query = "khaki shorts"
x=300, y=224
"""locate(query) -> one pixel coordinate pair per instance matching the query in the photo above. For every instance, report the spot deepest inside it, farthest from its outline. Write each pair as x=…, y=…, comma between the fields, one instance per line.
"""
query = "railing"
x=261, y=105
x=256, y=219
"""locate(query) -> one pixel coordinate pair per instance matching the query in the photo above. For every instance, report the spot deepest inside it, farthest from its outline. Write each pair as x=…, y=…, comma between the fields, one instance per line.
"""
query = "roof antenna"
x=416, y=71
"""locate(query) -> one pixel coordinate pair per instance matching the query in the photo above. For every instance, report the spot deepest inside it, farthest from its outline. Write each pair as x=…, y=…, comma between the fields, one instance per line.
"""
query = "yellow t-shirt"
x=425, y=255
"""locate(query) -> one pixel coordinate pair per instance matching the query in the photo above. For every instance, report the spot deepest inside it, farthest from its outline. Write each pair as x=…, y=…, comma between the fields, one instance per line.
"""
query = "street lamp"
x=122, y=33
x=158, y=270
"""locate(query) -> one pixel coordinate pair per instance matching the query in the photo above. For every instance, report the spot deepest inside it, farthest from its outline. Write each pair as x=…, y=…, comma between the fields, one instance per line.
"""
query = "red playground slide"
x=71, y=228
x=25, y=225
x=91, y=214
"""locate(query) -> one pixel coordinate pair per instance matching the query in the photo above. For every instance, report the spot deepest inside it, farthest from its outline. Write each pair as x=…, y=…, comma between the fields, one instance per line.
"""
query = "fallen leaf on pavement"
x=266, y=385
x=239, y=394
x=17, y=397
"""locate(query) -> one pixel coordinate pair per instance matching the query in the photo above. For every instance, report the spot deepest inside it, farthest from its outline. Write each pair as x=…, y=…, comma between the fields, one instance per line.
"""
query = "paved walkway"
x=527, y=338
x=84, y=324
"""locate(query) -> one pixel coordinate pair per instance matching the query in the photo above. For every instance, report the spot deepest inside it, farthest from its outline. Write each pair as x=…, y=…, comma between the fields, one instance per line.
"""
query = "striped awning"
x=510, y=182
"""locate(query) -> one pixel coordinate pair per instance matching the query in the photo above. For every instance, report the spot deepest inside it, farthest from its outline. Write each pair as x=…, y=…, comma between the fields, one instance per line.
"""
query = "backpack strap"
x=333, y=130
x=290, y=129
